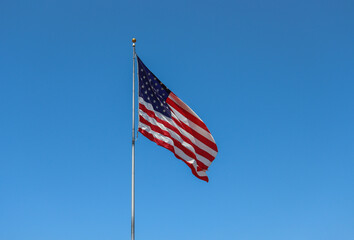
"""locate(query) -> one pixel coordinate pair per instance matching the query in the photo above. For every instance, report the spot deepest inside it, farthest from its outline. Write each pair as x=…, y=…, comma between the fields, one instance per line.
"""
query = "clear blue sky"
x=273, y=81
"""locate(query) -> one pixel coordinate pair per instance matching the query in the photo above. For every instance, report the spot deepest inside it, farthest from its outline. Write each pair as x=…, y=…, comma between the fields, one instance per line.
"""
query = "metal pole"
x=133, y=149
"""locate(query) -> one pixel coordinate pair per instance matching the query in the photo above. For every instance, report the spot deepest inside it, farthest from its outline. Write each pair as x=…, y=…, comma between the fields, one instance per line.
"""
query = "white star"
x=149, y=74
x=161, y=104
x=155, y=84
x=146, y=83
x=143, y=76
x=141, y=70
x=154, y=78
x=146, y=92
x=148, y=98
x=154, y=101
x=152, y=95
x=142, y=86
x=149, y=89
x=164, y=110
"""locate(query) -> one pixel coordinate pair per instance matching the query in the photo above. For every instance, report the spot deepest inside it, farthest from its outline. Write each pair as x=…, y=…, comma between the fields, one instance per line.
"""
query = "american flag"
x=169, y=122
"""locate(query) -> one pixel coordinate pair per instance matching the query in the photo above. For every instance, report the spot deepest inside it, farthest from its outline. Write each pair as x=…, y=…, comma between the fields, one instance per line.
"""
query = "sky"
x=272, y=80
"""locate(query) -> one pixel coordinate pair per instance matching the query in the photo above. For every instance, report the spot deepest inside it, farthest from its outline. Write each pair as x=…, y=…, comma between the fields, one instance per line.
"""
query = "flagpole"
x=133, y=149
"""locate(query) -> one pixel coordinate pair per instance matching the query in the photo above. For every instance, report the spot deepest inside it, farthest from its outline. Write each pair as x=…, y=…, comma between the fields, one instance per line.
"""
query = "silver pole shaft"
x=133, y=149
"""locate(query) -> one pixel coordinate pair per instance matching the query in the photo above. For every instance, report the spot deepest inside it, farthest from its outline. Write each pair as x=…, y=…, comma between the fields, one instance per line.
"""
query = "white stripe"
x=175, y=136
x=177, y=151
x=202, y=173
x=156, y=134
x=192, y=125
x=180, y=103
x=184, y=106
x=198, y=143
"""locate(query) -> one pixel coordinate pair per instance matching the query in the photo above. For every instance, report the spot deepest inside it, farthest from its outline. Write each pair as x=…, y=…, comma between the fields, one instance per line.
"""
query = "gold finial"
x=133, y=40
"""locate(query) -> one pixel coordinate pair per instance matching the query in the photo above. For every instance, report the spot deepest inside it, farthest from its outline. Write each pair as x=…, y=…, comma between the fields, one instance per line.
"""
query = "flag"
x=170, y=123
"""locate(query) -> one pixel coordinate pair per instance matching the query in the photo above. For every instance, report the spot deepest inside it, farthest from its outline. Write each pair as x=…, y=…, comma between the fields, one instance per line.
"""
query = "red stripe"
x=195, y=134
x=185, y=113
x=186, y=139
x=170, y=147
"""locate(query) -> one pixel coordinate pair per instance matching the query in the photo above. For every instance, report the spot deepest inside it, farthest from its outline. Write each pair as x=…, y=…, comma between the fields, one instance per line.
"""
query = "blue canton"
x=152, y=90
